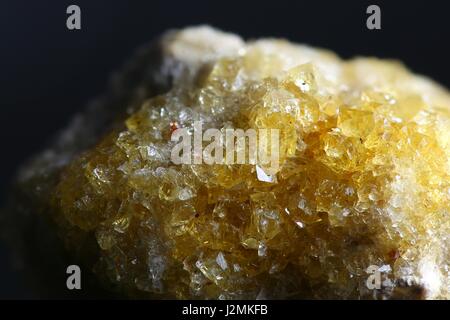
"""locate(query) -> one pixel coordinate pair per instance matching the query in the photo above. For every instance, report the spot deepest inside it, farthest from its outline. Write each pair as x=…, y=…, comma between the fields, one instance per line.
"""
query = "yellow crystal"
x=364, y=179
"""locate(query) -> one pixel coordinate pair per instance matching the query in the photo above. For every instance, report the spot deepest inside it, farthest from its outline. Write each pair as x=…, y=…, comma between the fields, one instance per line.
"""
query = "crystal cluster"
x=363, y=180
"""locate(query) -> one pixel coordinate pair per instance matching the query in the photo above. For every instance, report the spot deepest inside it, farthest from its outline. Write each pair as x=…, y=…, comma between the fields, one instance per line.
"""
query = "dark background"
x=48, y=72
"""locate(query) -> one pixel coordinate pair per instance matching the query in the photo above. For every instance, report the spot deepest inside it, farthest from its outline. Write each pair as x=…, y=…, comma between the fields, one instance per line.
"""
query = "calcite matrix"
x=362, y=188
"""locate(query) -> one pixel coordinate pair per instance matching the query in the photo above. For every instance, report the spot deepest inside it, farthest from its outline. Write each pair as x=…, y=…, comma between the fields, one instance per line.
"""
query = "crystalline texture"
x=364, y=178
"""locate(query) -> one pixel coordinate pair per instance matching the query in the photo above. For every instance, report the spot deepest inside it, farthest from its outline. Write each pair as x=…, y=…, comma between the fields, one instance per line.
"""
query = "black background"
x=48, y=72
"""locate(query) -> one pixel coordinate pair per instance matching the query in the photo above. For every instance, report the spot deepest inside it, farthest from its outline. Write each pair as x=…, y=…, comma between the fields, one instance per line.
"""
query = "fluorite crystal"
x=363, y=180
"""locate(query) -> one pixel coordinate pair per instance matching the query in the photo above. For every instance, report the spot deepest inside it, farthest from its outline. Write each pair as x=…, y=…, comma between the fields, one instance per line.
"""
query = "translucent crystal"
x=364, y=179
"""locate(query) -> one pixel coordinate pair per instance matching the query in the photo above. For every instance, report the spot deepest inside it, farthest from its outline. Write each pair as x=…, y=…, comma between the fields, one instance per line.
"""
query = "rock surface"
x=363, y=177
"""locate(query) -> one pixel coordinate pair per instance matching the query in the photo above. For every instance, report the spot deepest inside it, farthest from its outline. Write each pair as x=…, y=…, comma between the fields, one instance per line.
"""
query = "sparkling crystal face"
x=363, y=181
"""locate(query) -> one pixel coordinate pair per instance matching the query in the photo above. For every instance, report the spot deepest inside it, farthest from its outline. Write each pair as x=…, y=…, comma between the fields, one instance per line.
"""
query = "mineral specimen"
x=362, y=191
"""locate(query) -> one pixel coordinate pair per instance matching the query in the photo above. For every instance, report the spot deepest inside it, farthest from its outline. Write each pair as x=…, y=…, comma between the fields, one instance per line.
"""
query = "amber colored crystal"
x=364, y=179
